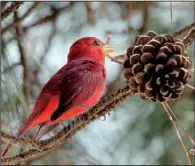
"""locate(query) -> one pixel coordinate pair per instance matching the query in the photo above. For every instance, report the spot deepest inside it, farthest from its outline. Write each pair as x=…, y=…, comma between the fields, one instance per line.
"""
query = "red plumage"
x=74, y=89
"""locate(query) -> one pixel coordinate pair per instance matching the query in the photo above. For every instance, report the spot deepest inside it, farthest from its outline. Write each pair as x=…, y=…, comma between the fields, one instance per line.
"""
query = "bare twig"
x=177, y=132
x=51, y=36
x=9, y=68
x=171, y=11
x=186, y=133
x=16, y=23
x=190, y=86
x=90, y=12
x=190, y=37
x=29, y=144
x=11, y=9
x=103, y=107
x=49, y=18
x=183, y=32
x=114, y=59
x=20, y=33
x=144, y=26
x=118, y=56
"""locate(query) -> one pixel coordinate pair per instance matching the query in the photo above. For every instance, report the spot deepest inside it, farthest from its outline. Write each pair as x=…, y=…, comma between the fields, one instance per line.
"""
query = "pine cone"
x=157, y=67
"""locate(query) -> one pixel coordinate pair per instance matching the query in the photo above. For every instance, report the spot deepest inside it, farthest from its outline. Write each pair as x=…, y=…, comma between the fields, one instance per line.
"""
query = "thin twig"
x=52, y=35
x=183, y=32
x=49, y=18
x=190, y=37
x=105, y=106
x=118, y=56
x=11, y=9
x=90, y=12
x=9, y=68
x=146, y=18
x=17, y=22
x=20, y=33
x=114, y=60
x=171, y=11
x=177, y=132
x=188, y=135
x=193, y=88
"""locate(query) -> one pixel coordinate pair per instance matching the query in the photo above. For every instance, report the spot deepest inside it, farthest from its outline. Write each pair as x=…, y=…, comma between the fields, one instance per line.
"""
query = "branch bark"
x=183, y=32
x=105, y=106
x=190, y=37
x=17, y=22
x=27, y=143
x=11, y=9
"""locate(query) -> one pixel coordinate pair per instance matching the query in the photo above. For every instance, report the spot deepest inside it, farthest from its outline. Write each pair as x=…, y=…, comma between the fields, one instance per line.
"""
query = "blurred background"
x=137, y=131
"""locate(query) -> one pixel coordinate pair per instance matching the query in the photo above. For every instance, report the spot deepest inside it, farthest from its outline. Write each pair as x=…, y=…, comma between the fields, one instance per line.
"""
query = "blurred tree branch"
x=51, y=17
x=9, y=68
x=103, y=107
x=17, y=22
x=90, y=12
x=189, y=38
x=10, y=9
x=144, y=26
x=183, y=32
x=3, y=4
x=30, y=144
x=23, y=60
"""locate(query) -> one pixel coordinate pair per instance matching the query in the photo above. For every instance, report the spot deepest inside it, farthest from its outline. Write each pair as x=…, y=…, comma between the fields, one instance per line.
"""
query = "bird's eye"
x=96, y=43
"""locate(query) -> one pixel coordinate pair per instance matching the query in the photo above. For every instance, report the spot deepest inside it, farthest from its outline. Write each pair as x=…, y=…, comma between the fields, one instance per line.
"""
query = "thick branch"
x=17, y=22
x=183, y=32
x=29, y=144
x=105, y=106
x=11, y=9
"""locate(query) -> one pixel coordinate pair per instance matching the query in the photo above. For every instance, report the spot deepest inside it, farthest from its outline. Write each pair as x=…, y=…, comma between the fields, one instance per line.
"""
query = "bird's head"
x=89, y=48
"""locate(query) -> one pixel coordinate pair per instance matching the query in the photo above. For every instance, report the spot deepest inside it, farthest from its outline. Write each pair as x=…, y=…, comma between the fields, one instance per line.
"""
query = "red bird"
x=75, y=88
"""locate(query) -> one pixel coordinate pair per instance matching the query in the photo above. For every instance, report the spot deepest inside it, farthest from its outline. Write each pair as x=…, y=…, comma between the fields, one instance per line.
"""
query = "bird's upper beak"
x=107, y=49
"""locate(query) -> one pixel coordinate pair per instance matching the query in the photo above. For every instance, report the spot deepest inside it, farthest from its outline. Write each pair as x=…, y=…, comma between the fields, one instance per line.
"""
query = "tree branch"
x=29, y=144
x=10, y=9
x=102, y=108
x=17, y=22
x=190, y=37
x=51, y=17
x=20, y=34
x=183, y=32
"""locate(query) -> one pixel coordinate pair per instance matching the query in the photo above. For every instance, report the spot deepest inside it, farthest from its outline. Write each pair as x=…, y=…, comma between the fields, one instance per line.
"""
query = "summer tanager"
x=74, y=89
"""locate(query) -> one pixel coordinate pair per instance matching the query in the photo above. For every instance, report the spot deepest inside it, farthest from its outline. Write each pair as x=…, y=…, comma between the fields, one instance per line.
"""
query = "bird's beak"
x=107, y=49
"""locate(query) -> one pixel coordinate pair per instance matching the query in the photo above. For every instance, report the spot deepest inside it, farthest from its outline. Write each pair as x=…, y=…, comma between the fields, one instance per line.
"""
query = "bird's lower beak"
x=107, y=49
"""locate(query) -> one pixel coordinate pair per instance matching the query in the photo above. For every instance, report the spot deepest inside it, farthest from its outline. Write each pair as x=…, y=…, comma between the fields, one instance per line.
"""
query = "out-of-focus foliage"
x=136, y=132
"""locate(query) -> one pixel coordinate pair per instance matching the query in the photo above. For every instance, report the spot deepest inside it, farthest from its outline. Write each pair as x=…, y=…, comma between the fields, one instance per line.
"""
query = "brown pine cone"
x=157, y=67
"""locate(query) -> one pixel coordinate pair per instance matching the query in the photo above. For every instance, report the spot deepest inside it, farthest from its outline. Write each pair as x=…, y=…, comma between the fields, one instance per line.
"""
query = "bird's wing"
x=80, y=84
